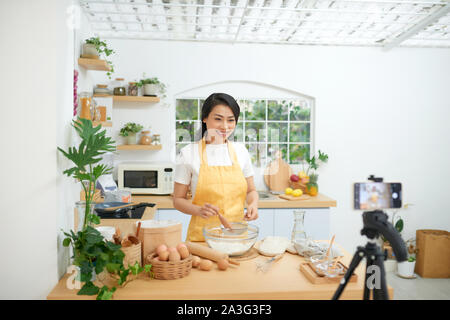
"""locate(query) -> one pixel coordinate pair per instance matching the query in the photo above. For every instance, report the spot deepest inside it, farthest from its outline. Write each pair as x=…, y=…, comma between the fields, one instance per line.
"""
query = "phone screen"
x=377, y=195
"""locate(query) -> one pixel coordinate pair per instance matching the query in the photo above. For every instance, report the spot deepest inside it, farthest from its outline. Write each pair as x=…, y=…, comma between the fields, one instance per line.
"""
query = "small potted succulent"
x=406, y=269
x=152, y=86
x=94, y=47
x=129, y=132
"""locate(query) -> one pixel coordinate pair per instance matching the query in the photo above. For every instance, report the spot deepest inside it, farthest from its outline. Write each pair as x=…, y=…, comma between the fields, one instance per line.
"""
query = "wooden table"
x=284, y=281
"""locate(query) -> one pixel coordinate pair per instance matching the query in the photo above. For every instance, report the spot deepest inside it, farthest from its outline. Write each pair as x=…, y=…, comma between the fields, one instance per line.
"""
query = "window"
x=265, y=126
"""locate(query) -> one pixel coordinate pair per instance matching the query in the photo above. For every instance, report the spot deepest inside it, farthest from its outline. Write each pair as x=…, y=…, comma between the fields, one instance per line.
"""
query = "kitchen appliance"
x=146, y=177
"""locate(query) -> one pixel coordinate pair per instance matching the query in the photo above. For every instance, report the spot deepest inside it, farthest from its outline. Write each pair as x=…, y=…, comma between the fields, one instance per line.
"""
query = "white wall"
x=382, y=113
x=36, y=86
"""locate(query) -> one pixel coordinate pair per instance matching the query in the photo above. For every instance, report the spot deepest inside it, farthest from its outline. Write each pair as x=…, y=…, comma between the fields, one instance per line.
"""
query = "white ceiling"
x=383, y=23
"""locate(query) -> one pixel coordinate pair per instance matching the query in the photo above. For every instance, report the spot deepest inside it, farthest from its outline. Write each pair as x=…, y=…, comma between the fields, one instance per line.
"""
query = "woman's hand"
x=252, y=212
x=208, y=210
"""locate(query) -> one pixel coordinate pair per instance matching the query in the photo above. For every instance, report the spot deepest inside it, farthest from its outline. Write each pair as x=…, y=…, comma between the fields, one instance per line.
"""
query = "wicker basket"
x=298, y=185
x=168, y=270
x=132, y=254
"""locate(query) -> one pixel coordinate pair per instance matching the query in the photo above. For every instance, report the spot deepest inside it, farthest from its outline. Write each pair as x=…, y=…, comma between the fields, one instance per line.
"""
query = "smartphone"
x=377, y=195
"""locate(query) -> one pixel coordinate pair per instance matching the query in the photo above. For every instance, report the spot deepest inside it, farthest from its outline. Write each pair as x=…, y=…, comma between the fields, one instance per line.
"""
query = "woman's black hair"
x=214, y=100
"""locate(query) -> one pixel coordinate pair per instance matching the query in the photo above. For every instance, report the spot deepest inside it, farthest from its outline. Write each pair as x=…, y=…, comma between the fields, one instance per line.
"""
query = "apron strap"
x=204, y=158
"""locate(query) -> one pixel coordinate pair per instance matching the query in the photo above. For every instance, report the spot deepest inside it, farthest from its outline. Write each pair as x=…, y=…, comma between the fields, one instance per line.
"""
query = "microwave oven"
x=146, y=177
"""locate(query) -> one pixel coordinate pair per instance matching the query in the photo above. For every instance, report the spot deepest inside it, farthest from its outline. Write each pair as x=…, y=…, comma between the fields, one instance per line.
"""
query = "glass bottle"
x=298, y=231
x=156, y=139
x=85, y=106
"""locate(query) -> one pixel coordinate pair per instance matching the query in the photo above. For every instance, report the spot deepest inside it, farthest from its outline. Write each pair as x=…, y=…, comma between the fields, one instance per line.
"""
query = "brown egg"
x=183, y=251
x=222, y=264
x=196, y=261
x=171, y=249
x=161, y=248
x=205, y=265
x=164, y=256
x=174, y=256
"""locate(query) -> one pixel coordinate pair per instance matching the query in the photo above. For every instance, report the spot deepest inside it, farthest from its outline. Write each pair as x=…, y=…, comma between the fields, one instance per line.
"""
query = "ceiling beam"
x=418, y=27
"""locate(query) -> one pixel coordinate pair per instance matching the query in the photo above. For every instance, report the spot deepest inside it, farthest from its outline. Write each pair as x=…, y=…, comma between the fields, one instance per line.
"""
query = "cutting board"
x=277, y=174
x=310, y=273
x=292, y=198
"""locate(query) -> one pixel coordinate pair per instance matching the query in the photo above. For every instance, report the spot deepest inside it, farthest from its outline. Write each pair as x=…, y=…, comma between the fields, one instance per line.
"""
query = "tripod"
x=375, y=222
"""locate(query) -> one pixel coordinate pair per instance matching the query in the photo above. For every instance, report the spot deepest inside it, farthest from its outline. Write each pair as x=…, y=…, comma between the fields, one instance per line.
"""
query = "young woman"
x=218, y=171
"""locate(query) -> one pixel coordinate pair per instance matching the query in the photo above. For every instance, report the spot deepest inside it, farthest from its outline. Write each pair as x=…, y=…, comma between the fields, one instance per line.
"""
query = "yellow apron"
x=222, y=186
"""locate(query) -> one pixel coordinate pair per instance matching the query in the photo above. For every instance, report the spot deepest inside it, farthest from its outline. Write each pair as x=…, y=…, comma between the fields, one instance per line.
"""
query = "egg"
x=161, y=248
x=196, y=261
x=174, y=256
x=205, y=265
x=171, y=249
x=164, y=256
x=222, y=264
x=183, y=251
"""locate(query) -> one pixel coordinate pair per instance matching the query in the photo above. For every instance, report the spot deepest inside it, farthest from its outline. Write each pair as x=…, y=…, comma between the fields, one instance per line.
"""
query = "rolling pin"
x=208, y=253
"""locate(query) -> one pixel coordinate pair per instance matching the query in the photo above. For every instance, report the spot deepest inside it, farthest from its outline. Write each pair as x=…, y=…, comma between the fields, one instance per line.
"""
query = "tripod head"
x=376, y=223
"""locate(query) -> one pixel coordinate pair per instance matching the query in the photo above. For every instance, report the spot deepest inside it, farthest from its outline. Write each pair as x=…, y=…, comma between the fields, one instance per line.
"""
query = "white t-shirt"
x=188, y=161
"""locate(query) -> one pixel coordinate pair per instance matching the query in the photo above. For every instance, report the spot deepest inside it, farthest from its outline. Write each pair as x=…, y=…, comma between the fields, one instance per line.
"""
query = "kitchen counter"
x=273, y=201
x=283, y=281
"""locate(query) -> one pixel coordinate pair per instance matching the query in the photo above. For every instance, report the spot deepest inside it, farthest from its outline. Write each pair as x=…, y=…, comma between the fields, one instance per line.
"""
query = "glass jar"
x=82, y=213
x=132, y=89
x=298, y=231
x=85, y=106
x=156, y=139
x=119, y=87
x=145, y=138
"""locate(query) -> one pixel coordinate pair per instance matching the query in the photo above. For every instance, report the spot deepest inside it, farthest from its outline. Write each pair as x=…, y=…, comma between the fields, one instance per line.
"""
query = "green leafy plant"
x=161, y=86
x=91, y=253
x=130, y=127
x=411, y=259
x=102, y=47
x=94, y=143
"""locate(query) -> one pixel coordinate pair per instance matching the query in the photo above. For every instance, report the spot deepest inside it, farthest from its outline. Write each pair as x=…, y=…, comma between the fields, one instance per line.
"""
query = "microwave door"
x=147, y=179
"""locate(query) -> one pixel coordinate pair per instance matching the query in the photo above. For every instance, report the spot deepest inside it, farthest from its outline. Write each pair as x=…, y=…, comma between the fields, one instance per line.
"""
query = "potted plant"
x=152, y=86
x=406, y=269
x=94, y=47
x=308, y=177
x=92, y=254
x=129, y=132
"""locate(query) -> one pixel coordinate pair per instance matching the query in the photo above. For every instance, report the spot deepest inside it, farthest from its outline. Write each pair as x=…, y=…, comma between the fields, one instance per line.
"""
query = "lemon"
x=288, y=191
x=302, y=174
x=297, y=192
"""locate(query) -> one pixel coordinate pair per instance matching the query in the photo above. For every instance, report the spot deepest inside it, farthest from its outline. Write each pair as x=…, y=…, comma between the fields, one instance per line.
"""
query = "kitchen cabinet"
x=265, y=222
x=271, y=222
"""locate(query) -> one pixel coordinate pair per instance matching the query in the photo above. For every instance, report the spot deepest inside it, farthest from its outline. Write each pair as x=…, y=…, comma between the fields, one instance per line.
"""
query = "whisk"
x=264, y=266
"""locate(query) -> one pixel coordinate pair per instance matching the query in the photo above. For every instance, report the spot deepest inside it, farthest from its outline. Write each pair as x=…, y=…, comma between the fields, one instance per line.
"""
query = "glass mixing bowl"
x=231, y=244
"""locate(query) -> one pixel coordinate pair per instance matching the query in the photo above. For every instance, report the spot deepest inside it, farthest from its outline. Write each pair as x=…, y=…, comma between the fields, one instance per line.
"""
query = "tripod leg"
x=366, y=295
x=381, y=293
x=357, y=257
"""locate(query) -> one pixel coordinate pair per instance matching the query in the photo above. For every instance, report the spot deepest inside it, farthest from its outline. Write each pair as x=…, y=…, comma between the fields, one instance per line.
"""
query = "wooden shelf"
x=94, y=64
x=138, y=147
x=102, y=123
x=129, y=98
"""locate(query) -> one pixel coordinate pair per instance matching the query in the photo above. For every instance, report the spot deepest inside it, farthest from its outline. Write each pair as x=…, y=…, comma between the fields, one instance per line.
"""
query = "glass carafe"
x=298, y=231
x=85, y=106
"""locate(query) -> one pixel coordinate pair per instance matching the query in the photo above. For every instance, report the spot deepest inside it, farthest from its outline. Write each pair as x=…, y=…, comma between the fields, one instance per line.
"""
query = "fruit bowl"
x=231, y=244
x=298, y=185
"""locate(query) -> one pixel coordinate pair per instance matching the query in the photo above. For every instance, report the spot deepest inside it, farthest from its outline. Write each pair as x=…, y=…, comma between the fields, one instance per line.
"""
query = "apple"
x=295, y=178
